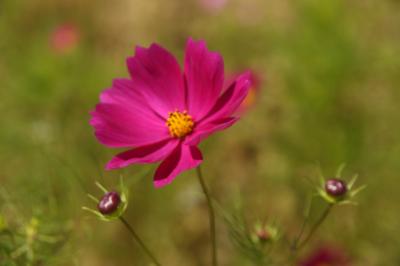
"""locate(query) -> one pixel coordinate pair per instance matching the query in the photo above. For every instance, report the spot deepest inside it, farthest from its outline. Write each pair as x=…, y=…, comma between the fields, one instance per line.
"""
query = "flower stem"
x=295, y=243
x=211, y=216
x=139, y=241
x=315, y=227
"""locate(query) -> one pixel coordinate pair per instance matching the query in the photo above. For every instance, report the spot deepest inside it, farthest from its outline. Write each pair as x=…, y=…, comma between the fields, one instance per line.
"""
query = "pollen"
x=179, y=124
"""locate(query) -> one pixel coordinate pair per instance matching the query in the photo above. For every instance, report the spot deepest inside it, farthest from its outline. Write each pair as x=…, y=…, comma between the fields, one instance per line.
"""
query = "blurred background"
x=327, y=93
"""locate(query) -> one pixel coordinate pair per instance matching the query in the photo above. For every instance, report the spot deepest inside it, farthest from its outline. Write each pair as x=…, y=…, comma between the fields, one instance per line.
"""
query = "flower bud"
x=109, y=203
x=335, y=187
x=336, y=190
x=263, y=235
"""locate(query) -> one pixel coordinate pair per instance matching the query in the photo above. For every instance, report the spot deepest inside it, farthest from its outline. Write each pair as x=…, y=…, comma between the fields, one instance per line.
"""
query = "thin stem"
x=316, y=226
x=295, y=243
x=211, y=216
x=139, y=241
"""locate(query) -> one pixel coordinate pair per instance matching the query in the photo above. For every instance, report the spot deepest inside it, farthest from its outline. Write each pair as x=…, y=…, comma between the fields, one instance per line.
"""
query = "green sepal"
x=339, y=200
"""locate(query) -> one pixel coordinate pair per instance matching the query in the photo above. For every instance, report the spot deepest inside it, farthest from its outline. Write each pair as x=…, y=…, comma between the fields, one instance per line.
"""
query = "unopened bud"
x=335, y=187
x=263, y=235
x=109, y=203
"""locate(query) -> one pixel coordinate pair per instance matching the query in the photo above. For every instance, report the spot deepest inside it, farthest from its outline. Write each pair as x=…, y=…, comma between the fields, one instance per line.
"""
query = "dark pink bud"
x=263, y=235
x=335, y=187
x=109, y=203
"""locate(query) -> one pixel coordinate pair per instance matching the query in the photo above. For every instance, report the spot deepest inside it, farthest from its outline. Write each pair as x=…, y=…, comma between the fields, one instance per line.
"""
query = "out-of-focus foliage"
x=329, y=94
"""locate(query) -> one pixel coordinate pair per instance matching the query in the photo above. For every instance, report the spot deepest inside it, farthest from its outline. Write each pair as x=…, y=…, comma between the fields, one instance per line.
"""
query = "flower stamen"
x=179, y=124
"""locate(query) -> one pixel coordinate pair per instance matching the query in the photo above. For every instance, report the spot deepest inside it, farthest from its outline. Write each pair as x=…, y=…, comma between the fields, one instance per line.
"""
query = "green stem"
x=211, y=216
x=295, y=243
x=139, y=241
x=315, y=227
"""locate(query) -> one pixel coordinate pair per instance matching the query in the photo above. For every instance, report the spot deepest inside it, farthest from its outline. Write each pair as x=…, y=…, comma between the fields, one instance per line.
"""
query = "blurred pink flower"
x=213, y=5
x=64, y=38
x=326, y=256
x=162, y=114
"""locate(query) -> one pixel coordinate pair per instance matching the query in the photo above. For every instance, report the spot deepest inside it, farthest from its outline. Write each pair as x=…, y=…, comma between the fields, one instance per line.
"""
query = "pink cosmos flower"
x=162, y=113
x=64, y=38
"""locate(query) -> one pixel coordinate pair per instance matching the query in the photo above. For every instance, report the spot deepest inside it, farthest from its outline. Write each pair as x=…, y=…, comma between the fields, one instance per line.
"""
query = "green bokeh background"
x=330, y=73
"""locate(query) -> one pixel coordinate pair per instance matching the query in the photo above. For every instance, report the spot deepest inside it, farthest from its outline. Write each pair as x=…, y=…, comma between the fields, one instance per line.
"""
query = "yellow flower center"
x=179, y=124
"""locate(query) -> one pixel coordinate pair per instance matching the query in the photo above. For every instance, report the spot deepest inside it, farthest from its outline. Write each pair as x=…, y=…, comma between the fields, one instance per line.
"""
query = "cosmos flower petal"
x=204, y=73
x=145, y=154
x=156, y=73
x=183, y=158
x=254, y=90
x=124, y=94
x=231, y=99
x=204, y=130
x=117, y=125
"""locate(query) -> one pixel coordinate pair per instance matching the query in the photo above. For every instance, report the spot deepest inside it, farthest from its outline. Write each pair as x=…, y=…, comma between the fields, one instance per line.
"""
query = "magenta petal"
x=124, y=125
x=183, y=158
x=158, y=76
x=204, y=130
x=204, y=73
x=123, y=118
x=115, y=127
x=124, y=94
x=231, y=99
x=146, y=154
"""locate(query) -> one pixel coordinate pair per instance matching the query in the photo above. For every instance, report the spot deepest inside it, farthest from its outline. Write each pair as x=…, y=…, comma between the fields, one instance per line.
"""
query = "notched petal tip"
x=158, y=76
x=192, y=41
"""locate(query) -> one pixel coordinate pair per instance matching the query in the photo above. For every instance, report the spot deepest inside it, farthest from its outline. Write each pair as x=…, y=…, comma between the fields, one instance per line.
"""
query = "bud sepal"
x=336, y=190
x=264, y=233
